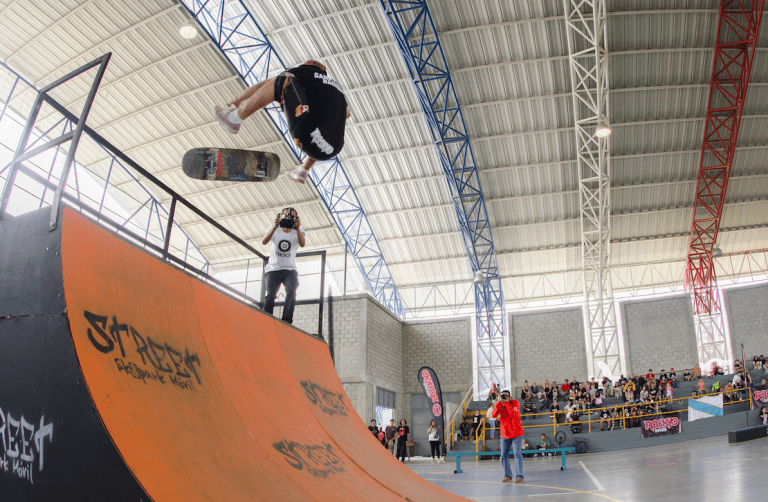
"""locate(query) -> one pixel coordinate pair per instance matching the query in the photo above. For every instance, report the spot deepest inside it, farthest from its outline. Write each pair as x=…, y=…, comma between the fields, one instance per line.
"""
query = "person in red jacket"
x=508, y=414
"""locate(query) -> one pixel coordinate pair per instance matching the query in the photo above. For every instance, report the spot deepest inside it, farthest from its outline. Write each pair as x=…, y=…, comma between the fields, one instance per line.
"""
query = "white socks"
x=233, y=117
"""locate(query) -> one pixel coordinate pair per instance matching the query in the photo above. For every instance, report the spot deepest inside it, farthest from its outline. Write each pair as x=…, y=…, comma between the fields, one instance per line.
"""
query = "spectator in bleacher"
x=663, y=378
x=762, y=384
x=729, y=395
x=569, y=409
x=508, y=413
x=566, y=387
x=575, y=384
x=643, y=394
x=534, y=389
x=629, y=397
x=653, y=392
x=575, y=424
x=434, y=440
x=493, y=394
x=634, y=415
x=617, y=385
x=716, y=370
x=555, y=412
x=476, y=419
x=694, y=394
x=669, y=392
x=555, y=392
x=598, y=401
x=629, y=388
x=755, y=363
x=687, y=376
x=616, y=416
x=716, y=387
x=764, y=416
x=605, y=419
x=528, y=406
x=403, y=433
x=607, y=387
x=374, y=430
x=737, y=377
x=696, y=372
x=525, y=391
x=491, y=423
x=673, y=377
x=650, y=376
x=545, y=396
x=543, y=444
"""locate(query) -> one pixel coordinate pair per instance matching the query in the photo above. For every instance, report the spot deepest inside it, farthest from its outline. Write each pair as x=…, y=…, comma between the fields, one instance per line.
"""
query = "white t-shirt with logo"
x=283, y=249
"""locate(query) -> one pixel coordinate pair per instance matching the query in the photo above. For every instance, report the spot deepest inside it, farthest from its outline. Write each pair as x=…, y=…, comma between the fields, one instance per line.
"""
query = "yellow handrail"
x=463, y=408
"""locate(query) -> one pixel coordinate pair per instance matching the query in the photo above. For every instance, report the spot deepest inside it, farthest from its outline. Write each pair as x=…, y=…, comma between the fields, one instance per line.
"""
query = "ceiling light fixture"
x=716, y=251
x=479, y=277
x=188, y=31
x=603, y=129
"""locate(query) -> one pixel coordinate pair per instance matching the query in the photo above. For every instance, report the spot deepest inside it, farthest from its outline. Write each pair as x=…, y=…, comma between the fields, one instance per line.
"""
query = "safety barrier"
x=482, y=428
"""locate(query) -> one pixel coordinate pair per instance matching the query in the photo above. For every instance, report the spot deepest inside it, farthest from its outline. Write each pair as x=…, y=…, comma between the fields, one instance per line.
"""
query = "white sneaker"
x=299, y=175
x=221, y=114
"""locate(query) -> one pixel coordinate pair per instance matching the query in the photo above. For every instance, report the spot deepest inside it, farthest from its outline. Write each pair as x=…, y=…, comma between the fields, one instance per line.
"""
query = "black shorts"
x=320, y=132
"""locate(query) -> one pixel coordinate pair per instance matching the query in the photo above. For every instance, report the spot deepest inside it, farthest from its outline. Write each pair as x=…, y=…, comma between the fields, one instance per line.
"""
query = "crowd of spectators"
x=636, y=395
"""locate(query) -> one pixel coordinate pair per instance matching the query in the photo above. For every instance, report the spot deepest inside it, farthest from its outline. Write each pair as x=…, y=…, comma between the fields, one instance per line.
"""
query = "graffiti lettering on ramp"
x=318, y=460
x=19, y=441
x=160, y=362
x=330, y=403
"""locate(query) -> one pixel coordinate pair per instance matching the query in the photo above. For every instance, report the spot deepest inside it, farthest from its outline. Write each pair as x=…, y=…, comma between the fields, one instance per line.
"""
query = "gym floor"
x=702, y=470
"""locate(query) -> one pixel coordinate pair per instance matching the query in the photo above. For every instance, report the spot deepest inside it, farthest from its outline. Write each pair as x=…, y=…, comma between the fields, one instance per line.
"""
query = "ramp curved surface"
x=206, y=398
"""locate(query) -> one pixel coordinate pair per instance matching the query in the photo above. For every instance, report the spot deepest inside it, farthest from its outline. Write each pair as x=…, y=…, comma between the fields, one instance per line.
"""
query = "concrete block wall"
x=446, y=347
x=747, y=310
x=547, y=344
x=659, y=334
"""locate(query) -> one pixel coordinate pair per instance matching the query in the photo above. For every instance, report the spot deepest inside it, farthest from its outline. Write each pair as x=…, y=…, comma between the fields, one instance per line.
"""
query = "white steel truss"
x=585, y=21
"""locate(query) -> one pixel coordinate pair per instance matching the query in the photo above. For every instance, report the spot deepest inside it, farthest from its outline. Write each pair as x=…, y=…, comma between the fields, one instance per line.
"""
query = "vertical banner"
x=431, y=386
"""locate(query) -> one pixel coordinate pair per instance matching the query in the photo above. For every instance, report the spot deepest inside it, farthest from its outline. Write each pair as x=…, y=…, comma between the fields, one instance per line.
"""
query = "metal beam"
x=737, y=28
x=418, y=41
x=234, y=30
x=587, y=36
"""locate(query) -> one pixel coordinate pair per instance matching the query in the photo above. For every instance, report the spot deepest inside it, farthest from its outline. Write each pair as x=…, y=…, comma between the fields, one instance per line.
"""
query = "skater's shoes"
x=299, y=175
x=221, y=114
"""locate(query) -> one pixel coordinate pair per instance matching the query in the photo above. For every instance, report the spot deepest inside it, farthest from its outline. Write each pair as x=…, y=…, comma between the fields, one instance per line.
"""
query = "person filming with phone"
x=508, y=412
x=286, y=237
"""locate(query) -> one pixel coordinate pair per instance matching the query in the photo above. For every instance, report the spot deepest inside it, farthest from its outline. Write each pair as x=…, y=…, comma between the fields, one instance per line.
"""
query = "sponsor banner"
x=705, y=407
x=431, y=385
x=660, y=426
x=760, y=398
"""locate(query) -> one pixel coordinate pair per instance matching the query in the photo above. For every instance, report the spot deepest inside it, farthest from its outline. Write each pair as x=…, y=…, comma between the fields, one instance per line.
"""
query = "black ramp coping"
x=53, y=445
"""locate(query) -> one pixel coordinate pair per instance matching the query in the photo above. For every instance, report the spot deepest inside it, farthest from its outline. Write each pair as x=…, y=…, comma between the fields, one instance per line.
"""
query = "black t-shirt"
x=604, y=414
x=476, y=419
x=403, y=431
x=663, y=377
x=327, y=112
x=374, y=430
x=653, y=392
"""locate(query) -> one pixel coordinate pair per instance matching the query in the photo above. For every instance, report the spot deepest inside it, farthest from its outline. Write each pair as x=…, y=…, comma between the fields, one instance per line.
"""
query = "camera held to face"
x=287, y=220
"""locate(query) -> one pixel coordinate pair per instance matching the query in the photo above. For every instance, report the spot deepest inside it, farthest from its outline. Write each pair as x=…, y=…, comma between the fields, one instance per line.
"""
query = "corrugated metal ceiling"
x=509, y=63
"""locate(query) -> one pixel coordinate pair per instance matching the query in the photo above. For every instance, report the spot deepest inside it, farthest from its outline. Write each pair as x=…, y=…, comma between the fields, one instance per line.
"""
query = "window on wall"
x=385, y=406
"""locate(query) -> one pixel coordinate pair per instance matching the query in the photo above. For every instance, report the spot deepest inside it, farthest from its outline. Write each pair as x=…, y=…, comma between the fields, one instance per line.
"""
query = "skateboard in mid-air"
x=227, y=164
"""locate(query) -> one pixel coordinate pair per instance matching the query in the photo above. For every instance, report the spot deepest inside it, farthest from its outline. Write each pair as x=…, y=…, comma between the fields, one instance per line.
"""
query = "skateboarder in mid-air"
x=314, y=107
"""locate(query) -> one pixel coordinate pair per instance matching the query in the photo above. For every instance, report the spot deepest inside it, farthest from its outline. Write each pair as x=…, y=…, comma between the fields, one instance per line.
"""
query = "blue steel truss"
x=231, y=26
x=415, y=33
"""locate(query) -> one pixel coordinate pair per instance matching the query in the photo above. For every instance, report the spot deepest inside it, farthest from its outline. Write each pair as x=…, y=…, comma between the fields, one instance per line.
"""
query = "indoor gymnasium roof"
x=509, y=63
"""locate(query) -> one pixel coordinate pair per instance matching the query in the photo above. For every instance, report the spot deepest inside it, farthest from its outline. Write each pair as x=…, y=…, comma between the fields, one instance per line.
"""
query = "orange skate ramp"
x=208, y=399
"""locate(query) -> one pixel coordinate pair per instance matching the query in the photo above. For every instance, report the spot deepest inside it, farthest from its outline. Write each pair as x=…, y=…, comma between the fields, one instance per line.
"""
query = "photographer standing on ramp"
x=281, y=269
x=508, y=413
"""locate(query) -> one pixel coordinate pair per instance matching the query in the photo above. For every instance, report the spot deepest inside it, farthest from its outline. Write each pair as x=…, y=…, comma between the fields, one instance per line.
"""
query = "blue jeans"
x=516, y=444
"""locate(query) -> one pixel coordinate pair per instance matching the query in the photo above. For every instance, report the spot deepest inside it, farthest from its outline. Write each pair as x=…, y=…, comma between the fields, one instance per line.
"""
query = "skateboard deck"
x=227, y=164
